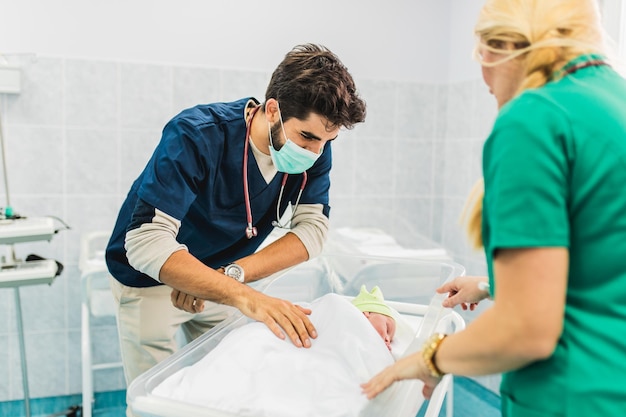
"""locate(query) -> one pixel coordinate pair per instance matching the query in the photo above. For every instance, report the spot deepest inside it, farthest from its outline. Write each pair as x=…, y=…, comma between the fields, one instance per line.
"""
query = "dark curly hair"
x=312, y=79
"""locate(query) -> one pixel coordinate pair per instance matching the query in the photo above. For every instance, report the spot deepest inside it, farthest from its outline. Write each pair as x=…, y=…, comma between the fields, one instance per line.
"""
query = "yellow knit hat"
x=372, y=301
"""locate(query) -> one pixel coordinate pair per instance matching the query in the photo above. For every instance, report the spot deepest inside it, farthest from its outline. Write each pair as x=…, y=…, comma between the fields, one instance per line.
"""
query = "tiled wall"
x=80, y=131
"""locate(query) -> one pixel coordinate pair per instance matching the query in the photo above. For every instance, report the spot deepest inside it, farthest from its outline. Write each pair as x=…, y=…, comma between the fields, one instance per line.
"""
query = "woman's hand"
x=409, y=367
x=464, y=291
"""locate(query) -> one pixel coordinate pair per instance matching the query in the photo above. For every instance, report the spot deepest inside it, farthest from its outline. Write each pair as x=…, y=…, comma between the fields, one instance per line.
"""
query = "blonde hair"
x=547, y=34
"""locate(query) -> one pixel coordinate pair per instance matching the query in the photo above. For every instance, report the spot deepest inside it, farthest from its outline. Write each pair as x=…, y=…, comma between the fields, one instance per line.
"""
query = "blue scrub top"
x=196, y=176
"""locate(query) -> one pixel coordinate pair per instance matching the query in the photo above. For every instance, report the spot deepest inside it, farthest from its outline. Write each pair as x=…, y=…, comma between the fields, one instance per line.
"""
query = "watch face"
x=234, y=271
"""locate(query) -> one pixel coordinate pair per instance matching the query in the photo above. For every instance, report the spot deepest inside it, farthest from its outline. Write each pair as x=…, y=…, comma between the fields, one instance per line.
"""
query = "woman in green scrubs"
x=552, y=221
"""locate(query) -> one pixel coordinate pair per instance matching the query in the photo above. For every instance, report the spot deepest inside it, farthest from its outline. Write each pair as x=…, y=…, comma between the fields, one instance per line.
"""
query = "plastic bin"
x=408, y=286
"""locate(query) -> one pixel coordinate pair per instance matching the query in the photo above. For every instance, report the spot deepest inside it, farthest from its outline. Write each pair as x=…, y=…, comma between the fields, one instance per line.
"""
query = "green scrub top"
x=555, y=176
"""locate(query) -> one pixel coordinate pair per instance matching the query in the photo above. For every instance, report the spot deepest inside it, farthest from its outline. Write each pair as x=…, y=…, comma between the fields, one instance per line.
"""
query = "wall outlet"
x=10, y=80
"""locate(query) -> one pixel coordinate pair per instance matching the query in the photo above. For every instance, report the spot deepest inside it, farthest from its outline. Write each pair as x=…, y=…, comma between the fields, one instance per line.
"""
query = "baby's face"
x=384, y=325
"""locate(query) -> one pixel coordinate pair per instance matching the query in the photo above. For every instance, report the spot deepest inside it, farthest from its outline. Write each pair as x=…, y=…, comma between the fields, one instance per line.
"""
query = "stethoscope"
x=250, y=229
x=581, y=65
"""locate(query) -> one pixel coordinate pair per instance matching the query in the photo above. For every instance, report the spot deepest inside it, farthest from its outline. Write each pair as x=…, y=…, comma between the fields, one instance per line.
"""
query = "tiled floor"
x=470, y=400
x=108, y=404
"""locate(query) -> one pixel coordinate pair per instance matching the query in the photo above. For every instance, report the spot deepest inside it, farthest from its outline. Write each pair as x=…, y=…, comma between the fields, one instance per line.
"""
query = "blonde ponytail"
x=471, y=216
x=540, y=65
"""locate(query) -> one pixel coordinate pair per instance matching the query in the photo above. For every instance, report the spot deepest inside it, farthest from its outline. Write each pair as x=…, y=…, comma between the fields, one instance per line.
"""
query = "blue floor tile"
x=107, y=404
x=470, y=400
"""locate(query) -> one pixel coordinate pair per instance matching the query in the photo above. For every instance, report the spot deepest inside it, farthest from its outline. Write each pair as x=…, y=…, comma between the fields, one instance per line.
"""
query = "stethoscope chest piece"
x=251, y=231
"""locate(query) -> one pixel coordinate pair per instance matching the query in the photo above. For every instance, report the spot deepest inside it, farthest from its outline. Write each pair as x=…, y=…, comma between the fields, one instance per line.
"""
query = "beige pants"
x=147, y=324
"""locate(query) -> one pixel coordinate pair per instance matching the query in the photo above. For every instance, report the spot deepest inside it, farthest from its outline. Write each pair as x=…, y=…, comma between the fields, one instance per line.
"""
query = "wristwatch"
x=428, y=353
x=234, y=271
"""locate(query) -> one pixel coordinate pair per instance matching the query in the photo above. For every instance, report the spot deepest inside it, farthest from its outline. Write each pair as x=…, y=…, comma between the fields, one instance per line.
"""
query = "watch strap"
x=239, y=275
x=428, y=353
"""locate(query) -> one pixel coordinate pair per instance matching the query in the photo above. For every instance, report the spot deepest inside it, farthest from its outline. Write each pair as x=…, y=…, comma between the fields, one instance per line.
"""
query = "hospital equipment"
x=253, y=373
x=10, y=79
x=26, y=229
x=408, y=285
x=96, y=301
x=250, y=229
x=34, y=269
x=372, y=241
x=17, y=275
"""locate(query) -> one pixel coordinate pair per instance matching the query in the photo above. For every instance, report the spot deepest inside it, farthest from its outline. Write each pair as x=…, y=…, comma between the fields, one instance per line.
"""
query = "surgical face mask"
x=291, y=158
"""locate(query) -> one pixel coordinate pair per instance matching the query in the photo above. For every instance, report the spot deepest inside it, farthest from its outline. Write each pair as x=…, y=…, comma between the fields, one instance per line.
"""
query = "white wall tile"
x=91, y=94
x=476, y=160
x=412, y=220
x=237, y=84
x=35, y=159
x=345, y=164
x=437, y=219
x=413, y=168
x=137, y=147
x=6, y=303
x=194, y=86
x=380, y=98
x=46, y=355
x=44, y=306
x=74, y=361
x=87, y=214
x=71, y=276
x=145, y=96
x=372, y=211
x=453, y=233
x=457, y=160
x=441, y=111
x=105, y=342
x=91, y=161
x=362, y=211
x=40, y=99
x=5, y=376
x=460, y=110
x=417, y=110
x=439, y=167
x=341, y=211
x=374, y=171
x=485, y=110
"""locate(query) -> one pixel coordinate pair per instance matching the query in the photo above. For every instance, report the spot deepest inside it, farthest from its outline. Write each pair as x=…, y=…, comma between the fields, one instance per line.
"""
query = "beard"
x=276, y=137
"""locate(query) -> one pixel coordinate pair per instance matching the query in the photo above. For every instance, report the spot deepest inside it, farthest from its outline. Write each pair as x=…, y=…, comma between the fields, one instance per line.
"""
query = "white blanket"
x=254, y=373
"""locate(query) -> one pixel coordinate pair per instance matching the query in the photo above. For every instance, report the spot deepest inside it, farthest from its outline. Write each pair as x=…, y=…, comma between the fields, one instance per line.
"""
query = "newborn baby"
x=373, y=306
x=251, y=372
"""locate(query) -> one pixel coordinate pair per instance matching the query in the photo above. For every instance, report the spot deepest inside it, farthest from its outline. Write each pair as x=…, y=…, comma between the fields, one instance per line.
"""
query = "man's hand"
x=281, y=316
x=187, y=302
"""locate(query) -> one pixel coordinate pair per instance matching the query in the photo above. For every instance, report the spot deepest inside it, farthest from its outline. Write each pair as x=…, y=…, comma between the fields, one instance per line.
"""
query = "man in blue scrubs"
x=186, y=238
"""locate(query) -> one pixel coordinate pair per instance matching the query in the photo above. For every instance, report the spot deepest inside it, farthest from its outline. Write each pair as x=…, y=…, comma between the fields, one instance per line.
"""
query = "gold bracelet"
x=428, y=353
